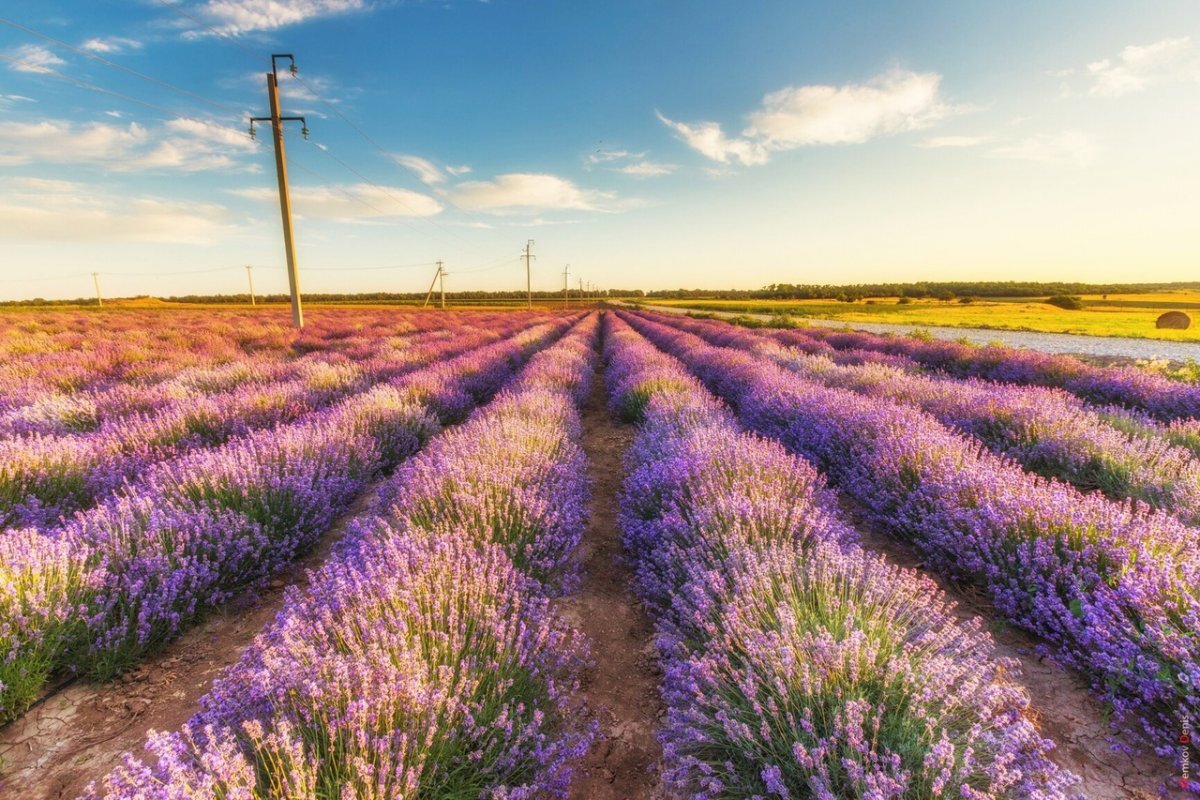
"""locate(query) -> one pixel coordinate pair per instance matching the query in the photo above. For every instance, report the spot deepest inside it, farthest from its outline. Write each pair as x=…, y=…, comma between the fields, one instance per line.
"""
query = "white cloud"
x=525, y=192
x=605, y=156
x=800, y=116
x=34, y=209
x=424, y=169
x=1139, y=67
x=647, y=169
x=181, y=144
x=110, y=44
x=709, y=140
x=246, y=16
x=33, y=58
x=806, y=115
x=459, y=169
x=1068, y=146
x=360, y=201
x=955, y=141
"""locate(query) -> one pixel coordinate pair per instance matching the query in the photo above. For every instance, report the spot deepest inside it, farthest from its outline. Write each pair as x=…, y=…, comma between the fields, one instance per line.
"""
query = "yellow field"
x=1119, y=315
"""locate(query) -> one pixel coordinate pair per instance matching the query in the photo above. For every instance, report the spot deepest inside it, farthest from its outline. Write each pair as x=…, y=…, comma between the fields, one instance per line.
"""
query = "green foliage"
x=1068, y=302
x=940, y=290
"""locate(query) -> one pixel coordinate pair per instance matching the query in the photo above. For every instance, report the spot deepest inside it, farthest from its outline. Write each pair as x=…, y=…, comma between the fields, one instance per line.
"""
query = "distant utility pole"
x=285, y=201
x=528, y=273
x=442, y=280
x=566, y=285
x=250, y=279
x=436, y=276
x=96, y=280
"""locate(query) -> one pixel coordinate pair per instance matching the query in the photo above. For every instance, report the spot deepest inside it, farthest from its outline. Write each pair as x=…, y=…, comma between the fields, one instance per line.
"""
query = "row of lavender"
x=43, y=477
x=54, y=357
x=1049, y=431
x=1130, y=387
x=1112, y=590
x=108, y=398
x=797, y=665
x=118, y=581
x=424, y=659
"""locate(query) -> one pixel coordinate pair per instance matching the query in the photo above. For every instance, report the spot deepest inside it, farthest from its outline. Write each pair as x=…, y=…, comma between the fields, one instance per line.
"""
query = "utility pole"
x=250, y=279
x=285, y=201
x=96, y=280
x=566, y=285
x=442, y=279
x=528, y=279
x=432, y=283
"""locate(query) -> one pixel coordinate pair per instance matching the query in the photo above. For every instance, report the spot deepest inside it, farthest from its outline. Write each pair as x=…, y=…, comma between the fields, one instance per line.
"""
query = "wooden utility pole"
x=96, y=281
x=437, y=274
x=566, y=285
x=528, y=274
x=285, y=201
x=250, y=279
x=442, y=282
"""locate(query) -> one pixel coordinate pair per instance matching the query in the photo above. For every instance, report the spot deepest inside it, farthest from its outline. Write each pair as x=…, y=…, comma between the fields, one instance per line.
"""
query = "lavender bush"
x=166, y=549
x=1048, y=431
x=420, y=661
x=1112, y=589
x=795, y=664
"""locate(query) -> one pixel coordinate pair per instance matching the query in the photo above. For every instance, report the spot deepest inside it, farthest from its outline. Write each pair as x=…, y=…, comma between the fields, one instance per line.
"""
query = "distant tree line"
x=939, y=290
x=344, y=297
x=398, y=297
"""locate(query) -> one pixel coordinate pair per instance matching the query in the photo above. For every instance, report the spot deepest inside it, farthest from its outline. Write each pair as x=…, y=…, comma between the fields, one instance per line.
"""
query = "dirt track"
x=621, y=691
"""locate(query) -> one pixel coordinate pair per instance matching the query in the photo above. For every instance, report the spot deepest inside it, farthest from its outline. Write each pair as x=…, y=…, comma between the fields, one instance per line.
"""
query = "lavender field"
x=587, y=553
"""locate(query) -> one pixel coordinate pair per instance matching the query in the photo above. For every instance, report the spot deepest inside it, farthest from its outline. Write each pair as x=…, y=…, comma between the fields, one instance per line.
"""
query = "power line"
x=42, y=70
x=122, y=67
x=174, y=7
x=367, y=137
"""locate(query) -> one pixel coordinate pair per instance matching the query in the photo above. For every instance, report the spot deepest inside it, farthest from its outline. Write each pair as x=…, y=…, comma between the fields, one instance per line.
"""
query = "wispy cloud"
x=7, y=100
x=530, y=192
x=181, y=144
x=602, y=156
x=34, y=209
x=1139, y=67
x=955, y=141
x=628, y=163
x=33, y=58
x=347, y=202
x=110, y=44
x=235, y=17
x=709, y=140
x=425, y=170
x=458, y=169
x=647, y=169
x=1073, y=146
x=800, y=116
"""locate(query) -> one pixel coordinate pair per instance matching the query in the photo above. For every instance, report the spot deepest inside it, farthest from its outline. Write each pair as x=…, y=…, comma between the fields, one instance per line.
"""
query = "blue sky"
x=647, y=144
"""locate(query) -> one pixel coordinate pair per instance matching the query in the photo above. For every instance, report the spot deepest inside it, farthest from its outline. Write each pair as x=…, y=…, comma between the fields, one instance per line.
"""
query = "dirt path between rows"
x=1063, y=707
x=621, y=690
x=79, y=734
